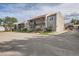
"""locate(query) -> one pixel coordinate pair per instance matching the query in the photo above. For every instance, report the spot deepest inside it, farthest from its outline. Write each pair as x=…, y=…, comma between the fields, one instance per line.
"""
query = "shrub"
x=24, y=30
x=37, y=30
x=29, y=31
x=21, y=30
x=47, y=30
x=18, y=30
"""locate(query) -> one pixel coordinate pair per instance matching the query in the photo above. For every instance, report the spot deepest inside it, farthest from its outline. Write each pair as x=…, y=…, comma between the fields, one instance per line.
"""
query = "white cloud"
x=68, y=8
x=26, y=11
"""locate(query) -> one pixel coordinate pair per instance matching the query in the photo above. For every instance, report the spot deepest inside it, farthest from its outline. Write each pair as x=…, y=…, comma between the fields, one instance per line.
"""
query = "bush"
x=21, y=30
x=18, y=30
x=24, y=30
x=47, y=30
x=29, y=31
x=37, y=30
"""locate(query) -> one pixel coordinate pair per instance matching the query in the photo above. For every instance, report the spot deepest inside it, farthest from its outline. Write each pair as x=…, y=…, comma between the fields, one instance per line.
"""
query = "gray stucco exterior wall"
x=54, y=21
x=59, y=22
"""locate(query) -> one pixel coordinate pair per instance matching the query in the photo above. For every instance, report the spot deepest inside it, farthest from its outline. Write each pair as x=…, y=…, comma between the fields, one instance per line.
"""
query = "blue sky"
x=27, y=10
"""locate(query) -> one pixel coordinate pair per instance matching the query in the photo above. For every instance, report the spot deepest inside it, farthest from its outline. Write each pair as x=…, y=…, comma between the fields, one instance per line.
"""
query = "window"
x=51, y=18
x=31, y=21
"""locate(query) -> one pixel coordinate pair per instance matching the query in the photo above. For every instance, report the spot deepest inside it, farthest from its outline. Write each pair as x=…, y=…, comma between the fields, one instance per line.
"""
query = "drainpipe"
x=46, y=21
x=16, y=26
x=25, y=24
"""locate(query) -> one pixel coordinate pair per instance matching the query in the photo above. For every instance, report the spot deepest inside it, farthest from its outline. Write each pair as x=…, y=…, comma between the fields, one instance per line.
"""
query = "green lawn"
x=48, y=33
x=45, y=33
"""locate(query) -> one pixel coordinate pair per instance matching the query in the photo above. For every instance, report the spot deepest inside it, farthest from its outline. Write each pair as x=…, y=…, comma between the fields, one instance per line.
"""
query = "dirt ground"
x=8, y=36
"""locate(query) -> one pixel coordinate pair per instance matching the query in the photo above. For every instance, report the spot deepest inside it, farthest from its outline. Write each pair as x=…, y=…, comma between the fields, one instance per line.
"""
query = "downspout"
x=46, y=21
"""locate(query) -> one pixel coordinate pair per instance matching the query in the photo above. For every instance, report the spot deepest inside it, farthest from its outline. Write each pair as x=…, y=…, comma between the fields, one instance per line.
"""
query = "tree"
x=8, y=22
x=74, y=21
x=1, y=21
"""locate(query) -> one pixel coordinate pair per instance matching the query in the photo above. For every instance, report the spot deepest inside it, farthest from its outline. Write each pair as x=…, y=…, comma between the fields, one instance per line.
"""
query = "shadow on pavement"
x=63, y=44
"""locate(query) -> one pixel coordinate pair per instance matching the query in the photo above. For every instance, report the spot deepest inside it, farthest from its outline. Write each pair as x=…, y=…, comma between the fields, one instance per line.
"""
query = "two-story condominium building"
x=53, y=21
x=20, y=25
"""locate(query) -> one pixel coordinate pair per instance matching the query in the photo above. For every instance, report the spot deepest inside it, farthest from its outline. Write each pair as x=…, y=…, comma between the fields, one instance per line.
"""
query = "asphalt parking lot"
x=66, y=44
